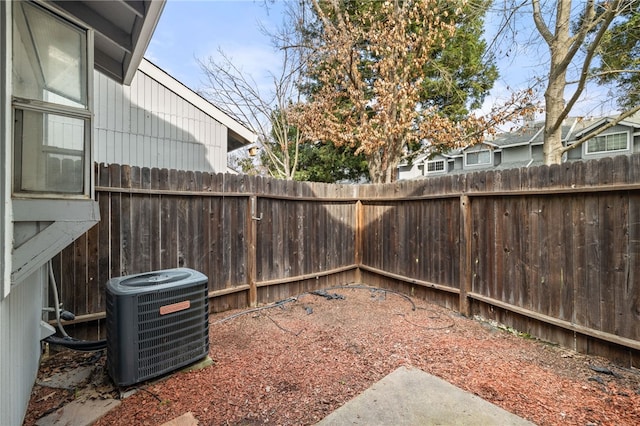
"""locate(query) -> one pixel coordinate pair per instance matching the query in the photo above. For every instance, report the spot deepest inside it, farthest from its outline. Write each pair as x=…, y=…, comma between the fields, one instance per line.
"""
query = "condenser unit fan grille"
x=166, y=342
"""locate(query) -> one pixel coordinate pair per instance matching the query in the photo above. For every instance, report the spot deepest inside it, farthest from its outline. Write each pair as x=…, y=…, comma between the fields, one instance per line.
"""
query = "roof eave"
x=131, y=63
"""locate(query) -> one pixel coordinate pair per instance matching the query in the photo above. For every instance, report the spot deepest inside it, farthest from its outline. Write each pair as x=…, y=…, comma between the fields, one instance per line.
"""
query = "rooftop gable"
x=593, y=125
x=238, y=134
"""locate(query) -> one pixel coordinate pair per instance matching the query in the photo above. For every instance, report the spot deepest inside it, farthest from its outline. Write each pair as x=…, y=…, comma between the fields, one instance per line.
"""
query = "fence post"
x=358, y=243
x=465, y=254
x=252, y=232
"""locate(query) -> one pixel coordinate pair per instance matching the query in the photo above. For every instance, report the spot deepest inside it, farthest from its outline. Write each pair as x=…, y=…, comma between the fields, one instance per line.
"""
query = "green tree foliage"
x=462, y=73
x=329, y=163
x=619, y=54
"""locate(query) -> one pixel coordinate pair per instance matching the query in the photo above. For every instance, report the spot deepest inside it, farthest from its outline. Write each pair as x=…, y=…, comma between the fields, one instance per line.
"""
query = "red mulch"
x=296, y=363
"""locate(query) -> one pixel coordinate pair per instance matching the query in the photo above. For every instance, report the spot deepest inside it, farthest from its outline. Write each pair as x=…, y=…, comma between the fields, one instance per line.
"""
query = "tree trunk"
x=559, y=47
x=382, y=169
x=554, y=107
x=594, y=19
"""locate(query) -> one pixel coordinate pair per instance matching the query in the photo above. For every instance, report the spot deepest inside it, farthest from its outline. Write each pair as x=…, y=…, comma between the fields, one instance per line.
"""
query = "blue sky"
x=190, y=30
x=194, y=29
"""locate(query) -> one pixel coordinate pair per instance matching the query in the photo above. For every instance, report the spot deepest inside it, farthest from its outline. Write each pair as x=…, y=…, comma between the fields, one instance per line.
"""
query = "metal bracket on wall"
x=254, y=202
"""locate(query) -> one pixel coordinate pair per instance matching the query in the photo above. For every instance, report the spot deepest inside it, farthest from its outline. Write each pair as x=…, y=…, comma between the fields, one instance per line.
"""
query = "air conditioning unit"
x=156, y=322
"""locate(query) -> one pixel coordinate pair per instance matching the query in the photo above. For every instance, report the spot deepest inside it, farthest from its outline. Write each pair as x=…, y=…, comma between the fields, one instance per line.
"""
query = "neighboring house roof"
x=237, y=136
x=523, y=136
x=533, y=134
x=123, y=29
x=589, y=126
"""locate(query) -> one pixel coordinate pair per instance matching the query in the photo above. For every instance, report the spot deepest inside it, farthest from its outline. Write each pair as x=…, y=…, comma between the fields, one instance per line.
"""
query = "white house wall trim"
x=6, y=242
x=196, y=100
x=148, y=27
x=44, y=246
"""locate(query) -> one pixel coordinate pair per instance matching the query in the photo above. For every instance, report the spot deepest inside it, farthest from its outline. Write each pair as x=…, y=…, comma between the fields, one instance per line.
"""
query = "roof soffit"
x=123, y=29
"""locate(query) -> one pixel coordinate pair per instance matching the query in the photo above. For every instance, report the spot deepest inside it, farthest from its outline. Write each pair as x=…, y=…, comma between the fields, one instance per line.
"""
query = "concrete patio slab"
x=79, y=413
x=187, y=419
x=409, y=396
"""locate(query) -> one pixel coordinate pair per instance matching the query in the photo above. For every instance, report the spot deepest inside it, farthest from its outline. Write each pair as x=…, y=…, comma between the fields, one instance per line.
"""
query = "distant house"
x=48, y=53
x=159, y=122
x=523, y=148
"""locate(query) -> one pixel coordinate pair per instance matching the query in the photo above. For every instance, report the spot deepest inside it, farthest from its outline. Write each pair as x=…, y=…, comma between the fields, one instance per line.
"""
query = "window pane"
x=435, y=166
x=50, y=57
x=49, y=152
x=480, y=157
x=596, y=144
x=616, y=142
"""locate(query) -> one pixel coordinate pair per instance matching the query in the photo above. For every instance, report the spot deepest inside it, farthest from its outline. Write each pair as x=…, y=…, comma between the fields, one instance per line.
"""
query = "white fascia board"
x=571, y=130
x=454, y=156
x=6, y=219
x=512, y=145
x=602, y=122
x=536, y=134
x=196, y=100
x=146, y=32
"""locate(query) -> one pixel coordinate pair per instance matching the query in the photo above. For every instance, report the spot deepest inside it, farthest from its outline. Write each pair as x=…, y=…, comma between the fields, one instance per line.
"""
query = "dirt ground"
x=295, y=363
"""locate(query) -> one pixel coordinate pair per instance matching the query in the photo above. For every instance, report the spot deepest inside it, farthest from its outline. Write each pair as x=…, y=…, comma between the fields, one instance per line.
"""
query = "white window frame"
x=478, y=152
x=435, y=163
x=66, y=215
x=606, y=152
x=6, y=233
x=84, y=114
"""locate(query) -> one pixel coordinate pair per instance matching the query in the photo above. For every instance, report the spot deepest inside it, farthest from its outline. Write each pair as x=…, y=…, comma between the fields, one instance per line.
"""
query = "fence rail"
x=551, y=251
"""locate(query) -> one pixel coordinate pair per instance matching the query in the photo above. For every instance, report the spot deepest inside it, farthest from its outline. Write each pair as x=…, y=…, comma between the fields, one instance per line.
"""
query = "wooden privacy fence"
x=550, y=251
x=252, y=247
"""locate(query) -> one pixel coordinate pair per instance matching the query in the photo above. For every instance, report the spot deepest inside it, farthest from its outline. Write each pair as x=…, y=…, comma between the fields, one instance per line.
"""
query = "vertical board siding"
x=146, y=124
x=20, y=336
x=560, y=242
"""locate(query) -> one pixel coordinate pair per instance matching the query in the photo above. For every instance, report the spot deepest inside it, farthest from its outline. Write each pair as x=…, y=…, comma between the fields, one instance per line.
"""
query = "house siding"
x=20, y=317
x=412, y=171
x=148, y=125
x=524, y=148
x=23, y=290
x=574, y=154
x=615, y=129
x=20, y=305
x=516, y=154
